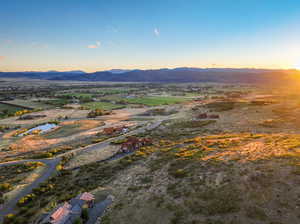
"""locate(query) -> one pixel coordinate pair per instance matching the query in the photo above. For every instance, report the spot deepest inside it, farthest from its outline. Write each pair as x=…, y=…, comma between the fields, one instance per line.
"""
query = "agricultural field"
x=155, y=100
x=8, y=110
x=102, y=105
x=31, y=103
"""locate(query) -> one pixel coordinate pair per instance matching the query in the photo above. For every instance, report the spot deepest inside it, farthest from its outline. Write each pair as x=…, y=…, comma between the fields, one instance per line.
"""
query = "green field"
x=156, y=101
x=30, y=103
x=95, y=92
x=8, y=110
x=192, y=94
x=56, y=102
x=113, y=91
x=77, y=95
x=102, y=105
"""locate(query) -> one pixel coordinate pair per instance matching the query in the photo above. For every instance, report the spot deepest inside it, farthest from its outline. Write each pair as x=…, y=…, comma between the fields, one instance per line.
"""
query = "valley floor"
x=221, y=156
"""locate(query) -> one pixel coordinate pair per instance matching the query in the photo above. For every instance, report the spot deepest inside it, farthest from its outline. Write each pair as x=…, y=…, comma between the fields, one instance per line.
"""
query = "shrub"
x=85, y=214
x=255, y=212
x=97, y=140
x=97, y=112
x=25, y=200
x=180, y=173
x=21, y=112
x=59, y=167
x=221, y=106
x=78, y=221
x=9, y=218
x=5, y=187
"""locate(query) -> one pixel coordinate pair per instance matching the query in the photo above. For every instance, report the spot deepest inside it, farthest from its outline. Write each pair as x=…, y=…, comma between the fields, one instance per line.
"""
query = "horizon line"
x=149, y=69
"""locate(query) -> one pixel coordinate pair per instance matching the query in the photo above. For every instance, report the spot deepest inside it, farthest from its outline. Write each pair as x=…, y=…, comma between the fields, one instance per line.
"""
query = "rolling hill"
x=222, y=75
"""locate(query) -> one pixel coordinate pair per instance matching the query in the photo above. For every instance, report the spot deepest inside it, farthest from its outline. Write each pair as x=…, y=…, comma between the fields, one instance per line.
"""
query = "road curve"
x=51, y=164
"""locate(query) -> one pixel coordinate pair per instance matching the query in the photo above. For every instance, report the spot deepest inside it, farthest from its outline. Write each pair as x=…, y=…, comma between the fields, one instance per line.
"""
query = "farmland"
x=9, y=110
x=156, y=101
x=102, y=105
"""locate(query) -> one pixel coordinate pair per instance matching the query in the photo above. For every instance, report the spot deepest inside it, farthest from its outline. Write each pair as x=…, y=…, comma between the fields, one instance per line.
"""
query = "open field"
x=156, y=100
x=217, y=152
x=32, y=103
x=8, y=110
x=102, y=105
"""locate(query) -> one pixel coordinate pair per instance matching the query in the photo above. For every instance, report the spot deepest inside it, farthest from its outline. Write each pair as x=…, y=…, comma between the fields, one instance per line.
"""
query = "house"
x=88, y=198
x=68, y=212
x=115, y=130
x=61, y=215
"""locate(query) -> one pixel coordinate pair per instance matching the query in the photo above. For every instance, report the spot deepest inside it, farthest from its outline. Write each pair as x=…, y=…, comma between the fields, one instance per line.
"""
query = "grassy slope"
x=210, y=179
x=191, y=181
x=181, y=183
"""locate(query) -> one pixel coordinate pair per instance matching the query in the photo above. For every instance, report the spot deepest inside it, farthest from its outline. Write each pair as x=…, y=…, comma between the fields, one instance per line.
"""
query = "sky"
x=95, y=35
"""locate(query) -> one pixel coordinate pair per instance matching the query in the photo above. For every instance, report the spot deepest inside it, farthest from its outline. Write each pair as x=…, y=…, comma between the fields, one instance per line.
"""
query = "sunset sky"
x=94, y=35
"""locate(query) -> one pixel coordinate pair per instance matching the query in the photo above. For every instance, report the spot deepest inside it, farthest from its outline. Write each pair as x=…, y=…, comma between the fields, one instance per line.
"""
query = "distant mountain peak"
x=118, y=71
x=73, y=71
x=77, y=72
x=221, y=75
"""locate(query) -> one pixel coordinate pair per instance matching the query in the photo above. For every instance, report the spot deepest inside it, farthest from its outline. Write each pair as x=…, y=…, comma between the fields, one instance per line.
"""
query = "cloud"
x=2, y=58
x=39, y=45
x=156, y=32
x=112, y=29
x=93, y=46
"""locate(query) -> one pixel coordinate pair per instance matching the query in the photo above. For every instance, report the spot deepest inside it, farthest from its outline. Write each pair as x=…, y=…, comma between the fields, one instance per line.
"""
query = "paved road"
x=45, y=161
x=103, y=144
x=51, y=164
x=98, y=210
x=9, y=206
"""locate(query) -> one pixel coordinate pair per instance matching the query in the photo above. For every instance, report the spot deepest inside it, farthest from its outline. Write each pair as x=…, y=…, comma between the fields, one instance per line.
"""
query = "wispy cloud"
x=39, y=45
x=93, y=46
x=2, y=58
x=112, y=29
x=156, y=32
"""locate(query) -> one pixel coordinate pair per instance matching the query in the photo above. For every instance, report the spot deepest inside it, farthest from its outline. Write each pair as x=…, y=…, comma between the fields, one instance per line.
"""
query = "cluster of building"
x=115, y=130
x=133, y=143
x=70, y=211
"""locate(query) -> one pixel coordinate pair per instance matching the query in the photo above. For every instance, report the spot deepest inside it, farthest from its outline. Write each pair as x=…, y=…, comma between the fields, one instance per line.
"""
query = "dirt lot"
x=67, y=132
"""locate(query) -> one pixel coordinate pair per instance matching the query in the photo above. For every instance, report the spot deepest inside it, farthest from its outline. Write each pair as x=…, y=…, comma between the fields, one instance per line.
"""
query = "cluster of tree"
x=97, y=112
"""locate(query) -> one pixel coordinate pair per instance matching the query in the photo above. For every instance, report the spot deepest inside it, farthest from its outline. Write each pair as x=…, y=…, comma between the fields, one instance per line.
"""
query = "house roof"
x=61, y=214
x=87, y=196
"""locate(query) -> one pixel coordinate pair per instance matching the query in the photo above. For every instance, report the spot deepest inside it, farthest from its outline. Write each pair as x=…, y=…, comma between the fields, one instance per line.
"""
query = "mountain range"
x=177, y=75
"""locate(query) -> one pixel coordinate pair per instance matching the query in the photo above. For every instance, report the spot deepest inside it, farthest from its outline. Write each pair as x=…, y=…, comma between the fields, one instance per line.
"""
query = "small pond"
x=42, y=128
